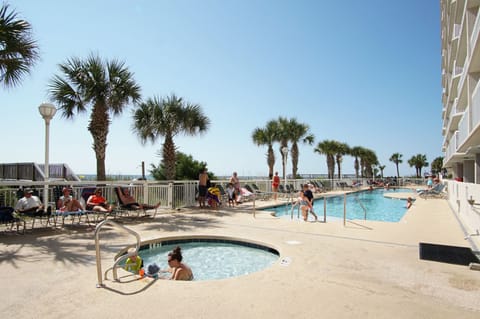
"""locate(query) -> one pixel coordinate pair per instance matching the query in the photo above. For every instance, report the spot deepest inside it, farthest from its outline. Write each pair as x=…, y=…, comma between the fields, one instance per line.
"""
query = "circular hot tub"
x=211, y=258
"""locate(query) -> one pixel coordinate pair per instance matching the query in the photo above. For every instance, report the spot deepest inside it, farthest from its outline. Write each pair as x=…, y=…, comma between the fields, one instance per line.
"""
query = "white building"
x=460, y=28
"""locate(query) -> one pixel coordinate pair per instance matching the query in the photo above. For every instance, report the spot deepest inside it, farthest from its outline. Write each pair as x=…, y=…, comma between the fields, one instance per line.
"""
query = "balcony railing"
x=463, y=128
x=476, y=106
x=475, y=32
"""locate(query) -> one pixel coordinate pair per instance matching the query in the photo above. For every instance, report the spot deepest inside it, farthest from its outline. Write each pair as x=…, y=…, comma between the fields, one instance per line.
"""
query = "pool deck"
x=364, y=269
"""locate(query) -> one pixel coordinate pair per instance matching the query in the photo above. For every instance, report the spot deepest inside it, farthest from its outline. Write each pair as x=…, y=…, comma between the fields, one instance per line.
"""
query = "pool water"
x=210, y=260
x=378, y=207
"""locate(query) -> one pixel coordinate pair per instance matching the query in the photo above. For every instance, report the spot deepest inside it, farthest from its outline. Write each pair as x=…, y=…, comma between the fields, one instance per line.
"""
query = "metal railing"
x=119, y=260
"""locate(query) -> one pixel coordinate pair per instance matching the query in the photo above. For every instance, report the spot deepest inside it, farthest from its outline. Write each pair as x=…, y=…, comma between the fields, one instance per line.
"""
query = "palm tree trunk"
x=169, y=157
x=294, y=160
x=356, y=166
x=98, y=127
x=270, y=160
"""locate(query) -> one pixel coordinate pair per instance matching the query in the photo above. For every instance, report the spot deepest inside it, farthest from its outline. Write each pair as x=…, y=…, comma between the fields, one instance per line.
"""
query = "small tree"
x=186, y=168
x=437, y=165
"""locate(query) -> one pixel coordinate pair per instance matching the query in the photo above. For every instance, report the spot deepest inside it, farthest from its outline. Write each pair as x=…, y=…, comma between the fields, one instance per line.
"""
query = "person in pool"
x=179, y=270
x=134, y=263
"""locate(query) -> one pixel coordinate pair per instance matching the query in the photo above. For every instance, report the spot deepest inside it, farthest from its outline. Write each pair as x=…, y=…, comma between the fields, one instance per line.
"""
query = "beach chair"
x=436, y=192
x=258, y=192
x=97, y=216
x=57, y=213
x=127, y=203
x=8, y=218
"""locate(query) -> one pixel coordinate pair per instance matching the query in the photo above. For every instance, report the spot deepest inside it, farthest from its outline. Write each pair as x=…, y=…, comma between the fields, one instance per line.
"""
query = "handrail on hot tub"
x=97, y=249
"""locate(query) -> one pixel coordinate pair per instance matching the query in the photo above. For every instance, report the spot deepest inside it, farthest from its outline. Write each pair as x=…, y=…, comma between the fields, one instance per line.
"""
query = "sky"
x=365, y=73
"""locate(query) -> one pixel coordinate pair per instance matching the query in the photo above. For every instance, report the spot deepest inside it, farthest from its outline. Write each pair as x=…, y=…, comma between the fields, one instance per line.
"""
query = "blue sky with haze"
x=367, y=73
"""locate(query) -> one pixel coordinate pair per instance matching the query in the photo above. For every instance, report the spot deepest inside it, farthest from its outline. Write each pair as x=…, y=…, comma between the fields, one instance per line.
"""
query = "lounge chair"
x=258, y=192
x=58, y=213
x=129, y=204
x=8, y=218
x=436, y=191
x=85, y=194
x=223, y=193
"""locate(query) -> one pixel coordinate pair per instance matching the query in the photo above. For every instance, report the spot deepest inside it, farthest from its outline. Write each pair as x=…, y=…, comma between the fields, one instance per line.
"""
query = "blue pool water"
x=378, y=207
x=213, y=259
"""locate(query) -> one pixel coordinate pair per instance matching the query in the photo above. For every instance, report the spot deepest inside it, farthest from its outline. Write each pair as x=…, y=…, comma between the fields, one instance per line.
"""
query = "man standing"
x=202, y=187
x=309, y=195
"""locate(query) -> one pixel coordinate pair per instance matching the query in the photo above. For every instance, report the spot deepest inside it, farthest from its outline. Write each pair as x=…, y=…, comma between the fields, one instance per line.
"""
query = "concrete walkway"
x=361, y=270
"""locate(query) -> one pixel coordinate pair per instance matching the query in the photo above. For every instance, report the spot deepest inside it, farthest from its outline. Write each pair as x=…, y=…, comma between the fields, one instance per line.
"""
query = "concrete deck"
x=362, y=270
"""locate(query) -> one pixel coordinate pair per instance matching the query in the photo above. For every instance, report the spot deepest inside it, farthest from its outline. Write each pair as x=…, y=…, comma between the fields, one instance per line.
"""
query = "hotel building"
x=460, y=28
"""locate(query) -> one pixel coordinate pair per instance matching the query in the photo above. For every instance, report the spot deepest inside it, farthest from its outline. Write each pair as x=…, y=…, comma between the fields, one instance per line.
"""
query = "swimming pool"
x=212, y=258
x=378, y=207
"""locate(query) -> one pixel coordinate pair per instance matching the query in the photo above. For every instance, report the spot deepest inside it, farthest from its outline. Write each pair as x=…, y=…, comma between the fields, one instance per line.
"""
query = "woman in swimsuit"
x=179, y=270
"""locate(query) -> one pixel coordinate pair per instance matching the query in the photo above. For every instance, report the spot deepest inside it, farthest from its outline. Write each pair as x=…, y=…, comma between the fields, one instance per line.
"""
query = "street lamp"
x=47, y=111
x=285, y=153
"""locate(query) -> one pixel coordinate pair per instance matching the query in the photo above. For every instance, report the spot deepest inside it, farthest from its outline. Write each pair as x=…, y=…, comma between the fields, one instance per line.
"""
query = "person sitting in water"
x=409, y=202
x=67, y=203
x=179, y=270
x=134, y=263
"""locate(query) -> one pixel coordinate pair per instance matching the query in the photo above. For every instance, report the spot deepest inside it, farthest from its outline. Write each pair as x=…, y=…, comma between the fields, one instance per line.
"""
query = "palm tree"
x=381, y=167
x=356, y=152
x=298, y=132
x=397, y=159
x=328, y=148
x=437, y=165
x=418, y=161
x=267, y=136
x=368, y=159
x=105, y=86
x=18, y=50
x=341, y=150
x=168, y=117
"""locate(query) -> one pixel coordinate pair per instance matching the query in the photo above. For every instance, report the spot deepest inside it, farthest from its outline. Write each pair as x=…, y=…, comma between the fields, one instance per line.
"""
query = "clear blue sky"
x=367, y=73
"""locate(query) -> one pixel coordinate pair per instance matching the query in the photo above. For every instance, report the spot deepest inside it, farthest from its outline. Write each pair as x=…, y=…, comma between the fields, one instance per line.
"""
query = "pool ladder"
x=118, y=260
x=363, y=207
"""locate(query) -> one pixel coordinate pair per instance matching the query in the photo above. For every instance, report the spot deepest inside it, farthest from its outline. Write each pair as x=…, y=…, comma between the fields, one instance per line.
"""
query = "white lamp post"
x=285, y=153
x=47, y=111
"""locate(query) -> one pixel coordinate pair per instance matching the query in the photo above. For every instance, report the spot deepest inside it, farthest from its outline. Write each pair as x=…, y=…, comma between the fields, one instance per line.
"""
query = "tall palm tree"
x=397, y=159
x=267, y=136
x=341, y=150
x=368, y=159
x=356, y=152
x=106, y=87
x=168, y=117
x=381, y=167
x=18, y=50
x=298, y=132
x=418, y=161
x=328, y=148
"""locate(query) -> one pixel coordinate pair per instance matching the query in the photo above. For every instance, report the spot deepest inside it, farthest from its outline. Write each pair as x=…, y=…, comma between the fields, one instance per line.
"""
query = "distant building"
x=460, y=28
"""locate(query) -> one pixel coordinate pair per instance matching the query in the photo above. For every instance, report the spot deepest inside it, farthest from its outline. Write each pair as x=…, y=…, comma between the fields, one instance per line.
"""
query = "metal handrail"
x=363, y=207
x=97, y=250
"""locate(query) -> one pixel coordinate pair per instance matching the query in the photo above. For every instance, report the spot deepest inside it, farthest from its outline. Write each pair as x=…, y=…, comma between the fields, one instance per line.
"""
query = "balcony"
x=476, y=30
x=454, y=117
x=476, y=106
x=463, y=129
